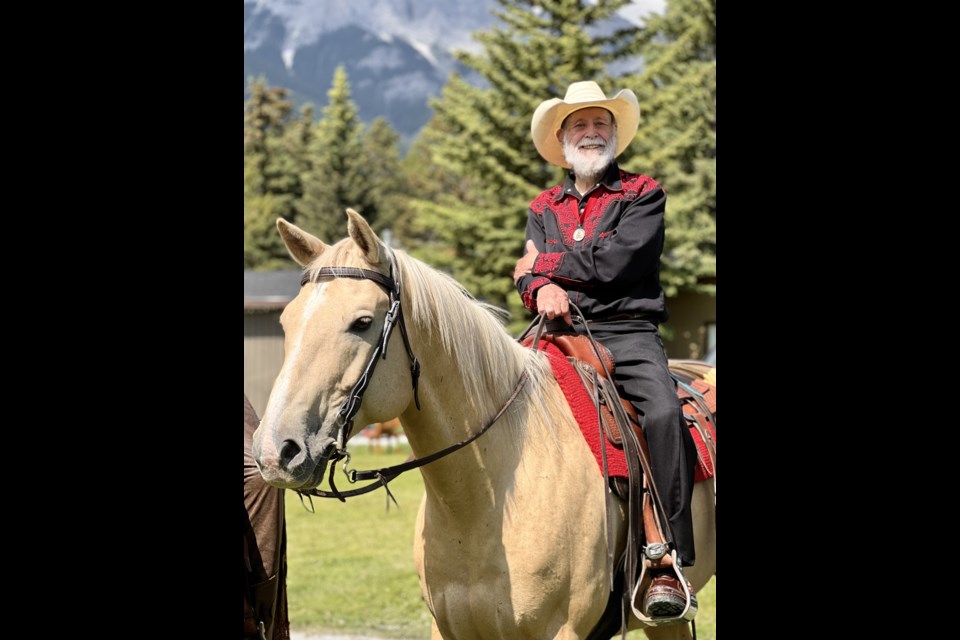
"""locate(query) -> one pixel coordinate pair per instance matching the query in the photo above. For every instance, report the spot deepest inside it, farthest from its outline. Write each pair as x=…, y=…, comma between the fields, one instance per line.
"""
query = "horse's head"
x=331, y=332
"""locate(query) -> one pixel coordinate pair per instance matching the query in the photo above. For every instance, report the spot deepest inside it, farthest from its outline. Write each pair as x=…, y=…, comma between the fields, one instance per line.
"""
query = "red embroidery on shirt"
x=567, y=210
x=568, y=217
x=635, y=185
x=540, y=204
x=596, y=205
x=547, y=263
x=529, y=301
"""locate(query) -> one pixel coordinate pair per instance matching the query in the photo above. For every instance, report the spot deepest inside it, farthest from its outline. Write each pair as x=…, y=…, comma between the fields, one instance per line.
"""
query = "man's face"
x=589, y=140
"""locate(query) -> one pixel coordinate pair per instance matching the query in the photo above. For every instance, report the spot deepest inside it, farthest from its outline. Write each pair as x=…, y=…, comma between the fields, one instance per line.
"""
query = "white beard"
x=590, y=164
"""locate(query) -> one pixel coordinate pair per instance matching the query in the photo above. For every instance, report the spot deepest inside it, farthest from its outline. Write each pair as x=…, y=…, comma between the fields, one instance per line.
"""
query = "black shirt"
x=614, y=266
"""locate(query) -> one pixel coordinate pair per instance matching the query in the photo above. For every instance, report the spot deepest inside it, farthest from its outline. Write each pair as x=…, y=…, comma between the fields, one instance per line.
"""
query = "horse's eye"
x=361, y=324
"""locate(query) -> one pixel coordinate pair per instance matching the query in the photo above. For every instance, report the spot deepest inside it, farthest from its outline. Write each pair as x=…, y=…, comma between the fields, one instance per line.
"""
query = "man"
x=264, y=547
x=595, y=241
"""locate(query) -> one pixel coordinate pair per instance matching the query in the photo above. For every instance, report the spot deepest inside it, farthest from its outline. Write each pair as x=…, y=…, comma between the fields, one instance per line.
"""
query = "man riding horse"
x=595, y=241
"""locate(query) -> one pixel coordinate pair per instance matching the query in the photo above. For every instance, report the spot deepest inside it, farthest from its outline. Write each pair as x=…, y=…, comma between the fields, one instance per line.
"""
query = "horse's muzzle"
x=294, y=465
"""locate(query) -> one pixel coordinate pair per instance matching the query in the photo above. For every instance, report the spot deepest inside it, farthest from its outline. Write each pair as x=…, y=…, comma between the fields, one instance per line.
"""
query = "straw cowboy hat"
x=549, y=116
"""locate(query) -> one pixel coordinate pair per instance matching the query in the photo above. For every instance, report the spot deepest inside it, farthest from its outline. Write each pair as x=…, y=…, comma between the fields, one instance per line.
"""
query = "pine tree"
x=336, y=180
x=382, y=174
x=482, y=135
x=264, y=116
x=677, y=140
x=273, y=153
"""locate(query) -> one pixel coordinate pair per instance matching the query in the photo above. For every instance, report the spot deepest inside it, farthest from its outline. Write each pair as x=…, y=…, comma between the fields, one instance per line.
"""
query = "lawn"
x=350, y=565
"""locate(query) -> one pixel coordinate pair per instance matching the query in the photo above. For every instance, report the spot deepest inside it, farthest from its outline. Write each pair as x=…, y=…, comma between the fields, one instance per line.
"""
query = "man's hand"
x=525, y=264
x=552, y=301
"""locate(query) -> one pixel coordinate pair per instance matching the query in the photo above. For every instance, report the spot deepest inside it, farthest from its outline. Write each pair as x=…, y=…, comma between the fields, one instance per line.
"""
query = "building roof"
x=269, y=289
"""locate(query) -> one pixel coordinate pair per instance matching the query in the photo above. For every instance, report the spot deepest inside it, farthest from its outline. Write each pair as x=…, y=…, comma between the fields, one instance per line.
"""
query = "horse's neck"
x=510, y=458
x=451, y=411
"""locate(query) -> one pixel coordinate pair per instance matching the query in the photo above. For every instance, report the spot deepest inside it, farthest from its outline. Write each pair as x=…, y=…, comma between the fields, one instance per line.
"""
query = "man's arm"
x=550, y=299
x=528, y=284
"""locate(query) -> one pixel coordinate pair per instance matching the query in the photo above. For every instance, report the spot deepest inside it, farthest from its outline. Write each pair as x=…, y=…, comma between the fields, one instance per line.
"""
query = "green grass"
x=350, y=565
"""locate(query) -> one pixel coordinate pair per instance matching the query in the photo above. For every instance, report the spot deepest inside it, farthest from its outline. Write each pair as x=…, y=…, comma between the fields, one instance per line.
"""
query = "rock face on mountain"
x=397, y=53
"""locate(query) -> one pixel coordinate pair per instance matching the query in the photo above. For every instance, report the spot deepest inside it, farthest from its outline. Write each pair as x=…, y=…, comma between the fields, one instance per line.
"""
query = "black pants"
x=643, y=378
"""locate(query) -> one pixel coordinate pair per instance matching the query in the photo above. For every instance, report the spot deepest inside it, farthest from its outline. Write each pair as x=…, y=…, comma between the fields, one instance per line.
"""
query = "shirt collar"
x=610, y=180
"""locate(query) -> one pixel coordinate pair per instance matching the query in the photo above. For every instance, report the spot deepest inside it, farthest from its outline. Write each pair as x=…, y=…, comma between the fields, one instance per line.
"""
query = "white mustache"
x=596, y=140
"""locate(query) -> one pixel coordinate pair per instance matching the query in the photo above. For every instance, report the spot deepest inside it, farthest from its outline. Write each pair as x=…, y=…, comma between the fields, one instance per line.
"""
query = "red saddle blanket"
x=586, y=414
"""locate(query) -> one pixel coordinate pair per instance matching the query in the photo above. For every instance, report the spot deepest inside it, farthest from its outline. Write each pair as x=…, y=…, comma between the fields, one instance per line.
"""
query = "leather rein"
x=348, y=410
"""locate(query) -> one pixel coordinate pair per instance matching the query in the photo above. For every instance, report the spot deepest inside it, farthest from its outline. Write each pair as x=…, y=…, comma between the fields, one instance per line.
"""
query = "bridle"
x=348, y=410
x=394, y=317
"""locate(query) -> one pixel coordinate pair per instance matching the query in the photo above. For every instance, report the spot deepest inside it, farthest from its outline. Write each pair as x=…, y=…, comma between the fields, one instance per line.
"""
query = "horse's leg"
x=435, y=630
x=671, y=632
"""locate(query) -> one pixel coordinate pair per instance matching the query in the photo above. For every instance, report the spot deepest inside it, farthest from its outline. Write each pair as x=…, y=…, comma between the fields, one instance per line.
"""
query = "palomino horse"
x=510, y=539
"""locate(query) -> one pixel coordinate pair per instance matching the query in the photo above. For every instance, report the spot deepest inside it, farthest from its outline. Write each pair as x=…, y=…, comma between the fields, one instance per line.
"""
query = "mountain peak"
x=397, y=53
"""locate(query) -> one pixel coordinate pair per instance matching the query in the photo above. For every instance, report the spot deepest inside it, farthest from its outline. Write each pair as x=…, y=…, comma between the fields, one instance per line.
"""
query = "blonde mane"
x=470, y=332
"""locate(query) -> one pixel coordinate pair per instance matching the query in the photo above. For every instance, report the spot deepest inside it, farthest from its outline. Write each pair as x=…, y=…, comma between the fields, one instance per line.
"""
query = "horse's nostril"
x=288, y=452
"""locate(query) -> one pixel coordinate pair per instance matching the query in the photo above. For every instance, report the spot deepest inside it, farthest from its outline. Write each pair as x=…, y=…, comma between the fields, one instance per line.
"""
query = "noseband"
x=394, y=317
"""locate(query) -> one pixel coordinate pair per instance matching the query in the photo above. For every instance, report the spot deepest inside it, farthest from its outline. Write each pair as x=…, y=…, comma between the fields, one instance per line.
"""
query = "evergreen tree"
x=273, y=152
x=483, y=135
x=426, y=182
x=677, y=140
x=336, y=180
x=382, y=174
x=264, y=115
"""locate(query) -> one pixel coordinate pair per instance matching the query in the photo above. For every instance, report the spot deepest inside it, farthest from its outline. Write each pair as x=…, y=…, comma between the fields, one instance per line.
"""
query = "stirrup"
x=643, y=583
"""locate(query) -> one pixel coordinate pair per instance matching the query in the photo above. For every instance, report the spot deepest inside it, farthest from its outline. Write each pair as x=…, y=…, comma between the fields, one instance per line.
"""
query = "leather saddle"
x=587, y=357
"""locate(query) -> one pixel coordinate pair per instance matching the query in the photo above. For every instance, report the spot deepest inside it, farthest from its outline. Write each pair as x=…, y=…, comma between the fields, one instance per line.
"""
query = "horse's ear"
x=303, y=247
x=364, y=236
